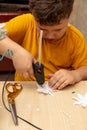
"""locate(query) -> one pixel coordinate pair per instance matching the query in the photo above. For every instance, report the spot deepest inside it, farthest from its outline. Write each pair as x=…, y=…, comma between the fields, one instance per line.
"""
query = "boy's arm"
x=63, y=78
x=82, y=71
x=22, y=59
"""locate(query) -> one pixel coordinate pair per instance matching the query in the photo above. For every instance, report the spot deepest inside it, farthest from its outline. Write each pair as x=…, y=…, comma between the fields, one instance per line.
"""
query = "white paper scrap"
x=45, y=89
x=81, y=99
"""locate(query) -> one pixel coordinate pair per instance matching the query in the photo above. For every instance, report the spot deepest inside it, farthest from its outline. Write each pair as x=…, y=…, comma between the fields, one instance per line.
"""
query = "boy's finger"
x=26, y=75
x=50, y=75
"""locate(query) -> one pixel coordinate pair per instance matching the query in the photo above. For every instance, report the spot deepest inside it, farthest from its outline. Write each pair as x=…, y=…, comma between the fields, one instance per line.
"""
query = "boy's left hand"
x=63, y=78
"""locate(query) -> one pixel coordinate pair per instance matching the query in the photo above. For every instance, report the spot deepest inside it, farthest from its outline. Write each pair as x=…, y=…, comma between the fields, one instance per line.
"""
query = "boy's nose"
x=50, y=36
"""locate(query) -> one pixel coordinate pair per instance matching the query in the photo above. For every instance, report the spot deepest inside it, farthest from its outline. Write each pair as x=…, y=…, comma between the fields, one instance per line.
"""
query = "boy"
x=64, y=49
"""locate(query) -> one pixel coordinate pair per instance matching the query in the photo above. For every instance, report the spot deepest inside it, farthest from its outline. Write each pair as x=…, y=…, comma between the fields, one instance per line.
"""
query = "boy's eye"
x=58, y=30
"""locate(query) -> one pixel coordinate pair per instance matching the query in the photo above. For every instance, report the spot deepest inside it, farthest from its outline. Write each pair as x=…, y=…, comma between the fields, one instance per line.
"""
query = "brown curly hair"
x=50, y=12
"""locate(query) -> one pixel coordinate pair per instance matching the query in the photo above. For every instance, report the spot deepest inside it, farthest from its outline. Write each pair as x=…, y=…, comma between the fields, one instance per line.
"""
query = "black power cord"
x=9, y=110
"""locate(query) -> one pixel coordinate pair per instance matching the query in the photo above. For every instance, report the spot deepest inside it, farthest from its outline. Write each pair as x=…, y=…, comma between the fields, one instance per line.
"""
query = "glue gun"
x=39, y=72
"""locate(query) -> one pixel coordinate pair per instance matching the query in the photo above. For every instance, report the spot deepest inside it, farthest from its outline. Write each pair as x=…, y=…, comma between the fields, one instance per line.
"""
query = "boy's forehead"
x=61, y=25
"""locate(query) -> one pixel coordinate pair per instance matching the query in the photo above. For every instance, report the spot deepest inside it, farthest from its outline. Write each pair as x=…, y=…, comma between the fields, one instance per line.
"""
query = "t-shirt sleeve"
x=17, y=27
x=80, y=54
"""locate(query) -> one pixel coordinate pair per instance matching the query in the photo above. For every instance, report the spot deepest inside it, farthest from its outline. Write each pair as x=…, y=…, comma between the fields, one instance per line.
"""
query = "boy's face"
x=55, y=32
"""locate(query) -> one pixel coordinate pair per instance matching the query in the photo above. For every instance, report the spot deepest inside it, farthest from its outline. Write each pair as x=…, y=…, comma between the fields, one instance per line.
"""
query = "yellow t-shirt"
x=69, y=53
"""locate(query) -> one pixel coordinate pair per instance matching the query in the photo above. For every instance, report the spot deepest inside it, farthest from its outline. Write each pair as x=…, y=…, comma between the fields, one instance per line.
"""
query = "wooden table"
x=48, y=112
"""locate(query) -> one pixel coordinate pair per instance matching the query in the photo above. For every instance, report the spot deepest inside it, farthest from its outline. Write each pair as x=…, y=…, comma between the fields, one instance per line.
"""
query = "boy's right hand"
x=22, y=61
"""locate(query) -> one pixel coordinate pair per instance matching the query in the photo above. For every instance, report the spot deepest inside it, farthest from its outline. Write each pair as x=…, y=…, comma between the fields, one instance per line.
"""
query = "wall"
x=79, y=16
